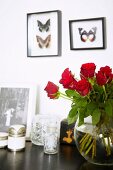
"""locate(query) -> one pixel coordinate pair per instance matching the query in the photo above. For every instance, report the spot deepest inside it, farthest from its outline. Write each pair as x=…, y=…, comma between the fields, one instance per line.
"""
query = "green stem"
x=88, y=142
x=109, y=149
x=64, y=96
x=83, y=143
x=83, y=138
x=104, y=92
x=89, y=148
x=94, y=148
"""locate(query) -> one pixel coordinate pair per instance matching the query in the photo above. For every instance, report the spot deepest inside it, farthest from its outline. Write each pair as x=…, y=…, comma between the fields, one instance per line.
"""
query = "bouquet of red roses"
x=91, y=95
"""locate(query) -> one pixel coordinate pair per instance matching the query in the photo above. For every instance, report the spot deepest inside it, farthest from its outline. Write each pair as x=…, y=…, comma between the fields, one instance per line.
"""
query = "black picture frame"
x=44, y=34
x=87, y=34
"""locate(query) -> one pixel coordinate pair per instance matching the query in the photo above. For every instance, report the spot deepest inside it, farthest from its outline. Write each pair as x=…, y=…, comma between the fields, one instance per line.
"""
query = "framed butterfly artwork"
x=44, y=34
x=87, y=34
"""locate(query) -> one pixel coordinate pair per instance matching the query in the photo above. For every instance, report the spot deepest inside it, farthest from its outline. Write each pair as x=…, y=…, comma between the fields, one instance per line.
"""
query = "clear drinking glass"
x=38, y=129
x=51, y=137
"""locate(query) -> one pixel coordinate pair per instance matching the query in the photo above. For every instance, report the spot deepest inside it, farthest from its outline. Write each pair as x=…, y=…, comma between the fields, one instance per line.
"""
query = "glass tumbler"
x=51, y=137
x=38, y=129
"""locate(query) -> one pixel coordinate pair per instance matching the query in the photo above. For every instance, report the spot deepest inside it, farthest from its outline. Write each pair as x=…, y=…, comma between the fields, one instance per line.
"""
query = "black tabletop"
x=33, y=158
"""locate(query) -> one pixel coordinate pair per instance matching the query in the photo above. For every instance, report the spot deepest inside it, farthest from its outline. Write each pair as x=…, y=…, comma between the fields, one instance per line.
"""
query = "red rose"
x=83, y=87
x=104, y=76
x=110, y=78
x=107, y=71
x=87, y=70
x=101, y=78
x=52, y=90
x=68, y=80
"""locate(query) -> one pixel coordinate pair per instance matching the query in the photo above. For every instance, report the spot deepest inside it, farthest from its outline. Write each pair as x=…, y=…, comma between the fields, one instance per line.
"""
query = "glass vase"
x=95, y=143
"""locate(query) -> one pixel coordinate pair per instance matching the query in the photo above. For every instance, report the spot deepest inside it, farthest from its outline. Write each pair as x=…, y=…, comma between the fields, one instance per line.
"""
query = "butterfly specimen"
x=44, y=27
x=43, y=42
x=90, y=35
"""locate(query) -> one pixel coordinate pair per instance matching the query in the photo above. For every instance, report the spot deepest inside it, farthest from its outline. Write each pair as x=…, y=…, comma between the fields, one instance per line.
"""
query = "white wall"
x=16, y=67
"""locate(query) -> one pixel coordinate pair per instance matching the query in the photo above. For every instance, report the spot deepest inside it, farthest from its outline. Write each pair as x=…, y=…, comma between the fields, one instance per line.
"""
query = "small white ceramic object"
x=16, y=138
x=3, y=139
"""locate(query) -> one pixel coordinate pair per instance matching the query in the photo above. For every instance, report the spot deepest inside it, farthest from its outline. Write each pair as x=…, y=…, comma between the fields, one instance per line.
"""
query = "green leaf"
x=72, y=93
x=91, y=107
x=81, y=102
x=111, y=101
x=98, y=89
x=71, y=120
x=96, y=116
x=72, y=116
x=81, y=117
x=73, y=111
x=108, y=108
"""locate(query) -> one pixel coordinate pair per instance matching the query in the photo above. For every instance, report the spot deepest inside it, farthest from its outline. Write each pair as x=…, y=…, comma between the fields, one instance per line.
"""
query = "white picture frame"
x=17, y=105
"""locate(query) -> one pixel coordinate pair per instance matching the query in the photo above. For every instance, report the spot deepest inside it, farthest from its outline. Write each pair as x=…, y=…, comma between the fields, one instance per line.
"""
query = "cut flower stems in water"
x=90, y=96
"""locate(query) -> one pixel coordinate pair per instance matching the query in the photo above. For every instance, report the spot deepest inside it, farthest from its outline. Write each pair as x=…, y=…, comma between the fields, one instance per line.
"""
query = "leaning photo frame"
x=87, y=34
x=17, y=105
x=44, y=34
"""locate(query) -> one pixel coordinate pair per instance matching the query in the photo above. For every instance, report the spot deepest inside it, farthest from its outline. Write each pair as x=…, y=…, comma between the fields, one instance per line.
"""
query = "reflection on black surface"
x=89, y=166
x=33, y=158
x=70, y=158
x=68, y=151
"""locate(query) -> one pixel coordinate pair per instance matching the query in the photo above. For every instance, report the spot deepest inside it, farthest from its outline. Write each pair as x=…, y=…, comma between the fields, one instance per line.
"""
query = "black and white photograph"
x=86, y=34
x=44, y=34
x=13, y=107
